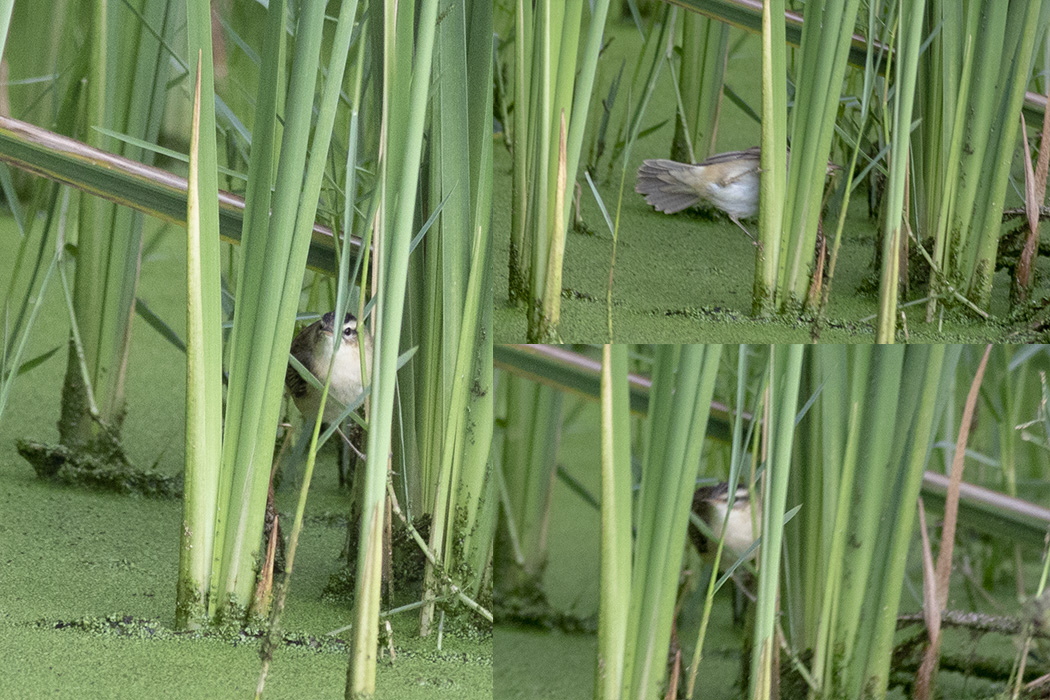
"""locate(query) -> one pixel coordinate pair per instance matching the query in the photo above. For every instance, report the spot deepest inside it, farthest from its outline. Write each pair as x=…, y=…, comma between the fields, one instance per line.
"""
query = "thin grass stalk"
x=774, y=158
x=350, y=201
x=584, y=86
x=523, y=47
x=37, y=46
x=1008, y=414
x=507, y=539
x=532, y=433
x=203, y=367
x=16, y=328
x=634, y=125
x=738, y=454
x=657, y=38
x=13, y=325
x=270, y=640
x=9, y=370
x=802, y=537
x=926, y=675
x=1022, y=654
x=910, y=40
x=135, y=103
x=615, y=591
x=393, y=243
x=783, y=389
x=705, y=50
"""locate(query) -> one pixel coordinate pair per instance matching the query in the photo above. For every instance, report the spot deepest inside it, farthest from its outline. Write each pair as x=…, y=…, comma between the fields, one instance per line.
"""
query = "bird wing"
x=753, y=153
x=297, y=386
x=667, y=185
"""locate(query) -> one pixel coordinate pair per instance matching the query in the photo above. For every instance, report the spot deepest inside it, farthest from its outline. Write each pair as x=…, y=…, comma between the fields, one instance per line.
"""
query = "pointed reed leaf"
x=203, y=372
x=20, y=342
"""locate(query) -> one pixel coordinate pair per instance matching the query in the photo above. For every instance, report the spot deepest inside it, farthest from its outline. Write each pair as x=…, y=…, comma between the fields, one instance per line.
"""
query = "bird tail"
x=665, y=185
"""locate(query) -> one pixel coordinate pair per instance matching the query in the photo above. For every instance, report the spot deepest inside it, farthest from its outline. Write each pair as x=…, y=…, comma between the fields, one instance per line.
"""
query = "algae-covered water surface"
x=688, y=277
x=87, y=595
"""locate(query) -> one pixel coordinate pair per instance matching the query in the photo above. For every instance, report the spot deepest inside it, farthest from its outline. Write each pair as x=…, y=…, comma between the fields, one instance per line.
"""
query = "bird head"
x=348, y=332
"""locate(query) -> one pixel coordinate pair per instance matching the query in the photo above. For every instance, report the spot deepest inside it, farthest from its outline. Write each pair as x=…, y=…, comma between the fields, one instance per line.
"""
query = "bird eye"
x=348, y=332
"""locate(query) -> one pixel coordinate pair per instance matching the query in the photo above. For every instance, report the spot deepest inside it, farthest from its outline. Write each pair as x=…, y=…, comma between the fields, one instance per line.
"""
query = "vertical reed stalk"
x=679, y=406
x=393, y=239
x=782, y=402
x=126, y=96
x=774, y=158
x=616, y=524
x=908, y=48
x=203, y=350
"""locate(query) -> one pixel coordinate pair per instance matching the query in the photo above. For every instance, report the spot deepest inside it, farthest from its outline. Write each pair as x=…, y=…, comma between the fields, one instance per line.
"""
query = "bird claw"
x=359, y=453
x=744, y=229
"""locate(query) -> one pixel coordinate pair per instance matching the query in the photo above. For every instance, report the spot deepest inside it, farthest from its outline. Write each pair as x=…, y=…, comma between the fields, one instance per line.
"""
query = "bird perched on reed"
x=710, y=503
x=729, y=181
x=314, y=347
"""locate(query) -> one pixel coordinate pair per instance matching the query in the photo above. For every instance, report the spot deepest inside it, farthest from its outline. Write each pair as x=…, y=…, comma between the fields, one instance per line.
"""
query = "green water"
x=69, y=554
x=688, y=277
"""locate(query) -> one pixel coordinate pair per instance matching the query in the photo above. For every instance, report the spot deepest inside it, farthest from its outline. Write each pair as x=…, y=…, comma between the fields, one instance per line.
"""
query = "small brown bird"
x=710, y=504
x=729, y=181
x=313, y=347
